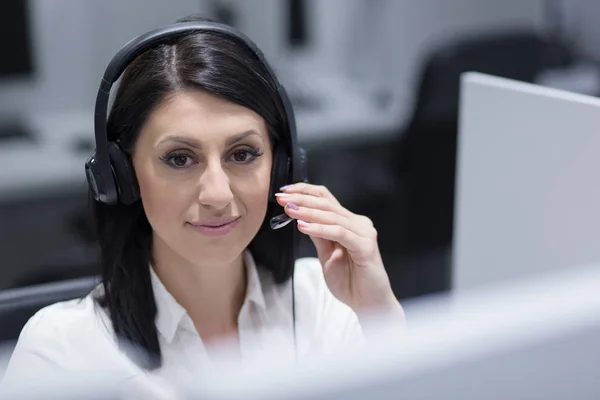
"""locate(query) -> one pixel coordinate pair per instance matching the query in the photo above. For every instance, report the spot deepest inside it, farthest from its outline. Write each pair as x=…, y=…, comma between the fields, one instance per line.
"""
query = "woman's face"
x=203, y=166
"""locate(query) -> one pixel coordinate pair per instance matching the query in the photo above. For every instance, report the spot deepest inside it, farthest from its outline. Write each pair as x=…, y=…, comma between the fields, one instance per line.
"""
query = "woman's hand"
x=346, y=246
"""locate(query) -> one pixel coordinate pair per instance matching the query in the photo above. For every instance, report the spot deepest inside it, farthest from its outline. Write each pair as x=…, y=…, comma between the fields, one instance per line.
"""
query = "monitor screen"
x=297, y=28
x=15, y=39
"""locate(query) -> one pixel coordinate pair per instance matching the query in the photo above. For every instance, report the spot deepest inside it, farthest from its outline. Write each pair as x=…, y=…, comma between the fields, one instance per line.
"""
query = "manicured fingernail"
x=285, y=187
x=282, y=194
x=293, y=206
x=302, y=223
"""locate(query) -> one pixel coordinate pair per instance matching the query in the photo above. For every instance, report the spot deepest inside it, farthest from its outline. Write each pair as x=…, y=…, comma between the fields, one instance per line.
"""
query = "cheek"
x=162, y=199
x=254, y=193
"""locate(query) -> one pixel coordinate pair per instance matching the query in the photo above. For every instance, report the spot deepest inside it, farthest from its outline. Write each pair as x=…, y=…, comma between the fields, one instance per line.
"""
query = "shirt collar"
x=254, y=288
x=170, y=313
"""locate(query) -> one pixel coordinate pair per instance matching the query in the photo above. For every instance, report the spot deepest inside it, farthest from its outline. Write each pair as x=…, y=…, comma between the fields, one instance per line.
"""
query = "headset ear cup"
x=96, y=181
x=127, y=185
x=279, y=172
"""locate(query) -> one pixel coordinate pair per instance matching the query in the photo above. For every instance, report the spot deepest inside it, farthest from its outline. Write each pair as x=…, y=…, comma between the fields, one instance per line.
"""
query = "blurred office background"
x=374, y=84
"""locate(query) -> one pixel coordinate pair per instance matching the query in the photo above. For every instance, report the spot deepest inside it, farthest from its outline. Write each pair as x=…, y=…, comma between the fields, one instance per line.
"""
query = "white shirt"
x=76, y=336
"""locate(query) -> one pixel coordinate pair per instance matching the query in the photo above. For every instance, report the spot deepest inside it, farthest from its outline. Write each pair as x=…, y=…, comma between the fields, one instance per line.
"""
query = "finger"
x=358, y=224
x=309, y=189
x=309, y=201
x=315, y=215
x=335, y=233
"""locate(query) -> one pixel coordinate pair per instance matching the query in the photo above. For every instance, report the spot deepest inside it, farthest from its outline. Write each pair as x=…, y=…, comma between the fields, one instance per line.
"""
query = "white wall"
x=383, y=42
x=400, y=32
x=385, y=39
x=129, y=18
x=581, y=23
x=73, y=42
x=63, y=58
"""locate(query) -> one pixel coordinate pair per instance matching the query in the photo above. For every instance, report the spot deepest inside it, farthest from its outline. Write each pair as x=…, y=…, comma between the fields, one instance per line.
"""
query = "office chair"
x=18, y=305
x=428, y=149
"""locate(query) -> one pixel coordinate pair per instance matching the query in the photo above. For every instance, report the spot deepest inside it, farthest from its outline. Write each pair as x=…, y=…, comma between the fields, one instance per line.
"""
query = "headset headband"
x=144, y=42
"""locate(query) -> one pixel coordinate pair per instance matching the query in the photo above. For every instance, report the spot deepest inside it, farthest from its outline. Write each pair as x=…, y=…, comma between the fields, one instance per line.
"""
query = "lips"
x=215, y=227
x=215, y=223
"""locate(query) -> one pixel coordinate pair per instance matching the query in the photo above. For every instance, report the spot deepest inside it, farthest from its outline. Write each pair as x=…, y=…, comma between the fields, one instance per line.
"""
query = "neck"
x=212, y=295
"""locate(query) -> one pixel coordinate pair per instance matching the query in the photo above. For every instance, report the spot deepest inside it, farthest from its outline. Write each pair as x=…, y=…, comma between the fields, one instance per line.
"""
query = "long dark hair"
x=206, y=61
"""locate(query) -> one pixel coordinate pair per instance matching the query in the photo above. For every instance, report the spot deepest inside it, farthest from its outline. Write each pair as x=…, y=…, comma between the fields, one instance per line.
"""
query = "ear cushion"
x=279, y=171
x=127, y=185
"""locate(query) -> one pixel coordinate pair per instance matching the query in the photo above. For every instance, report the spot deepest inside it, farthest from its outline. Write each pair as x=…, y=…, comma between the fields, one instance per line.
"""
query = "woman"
x=193, y=263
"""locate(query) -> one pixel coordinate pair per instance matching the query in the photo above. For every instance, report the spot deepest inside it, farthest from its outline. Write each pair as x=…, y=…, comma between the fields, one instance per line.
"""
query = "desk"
x=347, y=113
x=27, y=172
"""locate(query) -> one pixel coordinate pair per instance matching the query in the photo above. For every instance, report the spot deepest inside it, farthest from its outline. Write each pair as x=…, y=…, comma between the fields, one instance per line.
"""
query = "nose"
x=215, y=191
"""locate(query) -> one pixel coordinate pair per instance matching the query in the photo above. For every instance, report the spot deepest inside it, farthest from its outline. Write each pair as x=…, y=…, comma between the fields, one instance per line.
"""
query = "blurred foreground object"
x=524, y=339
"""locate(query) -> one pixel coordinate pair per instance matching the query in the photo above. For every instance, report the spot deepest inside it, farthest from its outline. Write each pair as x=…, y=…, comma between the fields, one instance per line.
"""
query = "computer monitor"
x=298, y=31
x=533, y=339
x=15, y=39
x=527, y=192
x=16, y=63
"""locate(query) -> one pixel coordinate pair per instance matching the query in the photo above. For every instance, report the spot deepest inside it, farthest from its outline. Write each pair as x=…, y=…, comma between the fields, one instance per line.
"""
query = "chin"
x=218, y=258
x=215, y=252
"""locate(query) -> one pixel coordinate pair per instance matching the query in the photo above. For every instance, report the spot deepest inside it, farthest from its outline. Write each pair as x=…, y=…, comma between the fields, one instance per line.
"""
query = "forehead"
x=201, y=116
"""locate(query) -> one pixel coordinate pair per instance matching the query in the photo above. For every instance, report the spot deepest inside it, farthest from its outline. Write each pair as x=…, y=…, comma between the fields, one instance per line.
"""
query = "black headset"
x=109, y=171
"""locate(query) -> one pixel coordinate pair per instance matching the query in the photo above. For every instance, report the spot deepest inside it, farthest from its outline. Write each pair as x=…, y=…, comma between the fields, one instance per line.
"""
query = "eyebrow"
x=197, y=145
x=241, y=137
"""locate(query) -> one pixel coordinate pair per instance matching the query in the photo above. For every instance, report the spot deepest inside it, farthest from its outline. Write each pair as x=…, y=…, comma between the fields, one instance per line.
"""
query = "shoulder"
x=60, y=323
x=65, y=315
x=70, y=340
x=59, y=338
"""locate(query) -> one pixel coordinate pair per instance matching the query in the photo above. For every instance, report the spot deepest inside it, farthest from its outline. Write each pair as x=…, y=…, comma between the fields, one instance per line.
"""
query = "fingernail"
x=302, y=223
x=282, y=194
x=285, y=187
x=293, y=206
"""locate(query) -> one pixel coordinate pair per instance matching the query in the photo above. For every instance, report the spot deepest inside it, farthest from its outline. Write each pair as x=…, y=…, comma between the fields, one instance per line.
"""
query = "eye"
x=178, y=160
x=245, y=155
x=241, y=156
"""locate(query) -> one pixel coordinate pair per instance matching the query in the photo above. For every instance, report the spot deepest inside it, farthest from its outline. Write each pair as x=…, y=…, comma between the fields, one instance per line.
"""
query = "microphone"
x=280, y=221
